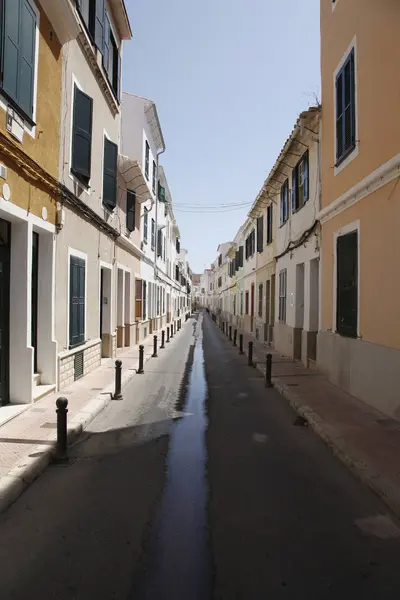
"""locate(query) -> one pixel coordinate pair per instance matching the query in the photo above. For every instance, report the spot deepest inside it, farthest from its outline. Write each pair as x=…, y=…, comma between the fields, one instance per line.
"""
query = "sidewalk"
x=28, y=440
x=366, y=440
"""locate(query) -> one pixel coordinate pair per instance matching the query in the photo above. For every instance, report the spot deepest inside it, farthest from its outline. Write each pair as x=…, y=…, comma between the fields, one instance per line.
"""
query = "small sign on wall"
x=15, y=124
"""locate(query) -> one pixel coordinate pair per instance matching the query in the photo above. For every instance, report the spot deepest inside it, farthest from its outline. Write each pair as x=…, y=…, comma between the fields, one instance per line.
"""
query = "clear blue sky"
x=229, y=78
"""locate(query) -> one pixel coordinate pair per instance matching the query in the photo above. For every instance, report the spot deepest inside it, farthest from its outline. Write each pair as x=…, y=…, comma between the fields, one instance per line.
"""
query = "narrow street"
x=200, y=483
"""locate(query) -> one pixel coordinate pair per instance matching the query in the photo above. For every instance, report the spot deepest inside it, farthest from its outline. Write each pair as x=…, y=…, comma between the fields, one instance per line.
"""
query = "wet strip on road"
x=178, y=558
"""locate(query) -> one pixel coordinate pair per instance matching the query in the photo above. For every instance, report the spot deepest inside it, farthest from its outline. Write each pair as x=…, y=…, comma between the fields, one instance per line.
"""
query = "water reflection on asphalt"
x=178, y=558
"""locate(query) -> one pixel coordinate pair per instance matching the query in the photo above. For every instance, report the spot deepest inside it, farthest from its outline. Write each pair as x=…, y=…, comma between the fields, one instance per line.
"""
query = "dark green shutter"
x=159, y=243
x=306, y=177
x=82, y=135
x=110, y=174
x=77, y=301
x=99, y=25
x=130, y=210
x=260, y=234
x=106, y=47
x=118, y=90
x=294, y=189
x=347, y=284
x=19, y=53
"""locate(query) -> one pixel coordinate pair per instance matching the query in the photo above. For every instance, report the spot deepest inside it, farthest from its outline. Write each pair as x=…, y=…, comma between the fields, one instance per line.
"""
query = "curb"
x=352, y=458
x=15, y=482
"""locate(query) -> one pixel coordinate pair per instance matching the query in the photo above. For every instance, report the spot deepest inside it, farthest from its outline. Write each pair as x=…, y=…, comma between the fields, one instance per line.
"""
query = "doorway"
x=5, y=235
x=34, y=298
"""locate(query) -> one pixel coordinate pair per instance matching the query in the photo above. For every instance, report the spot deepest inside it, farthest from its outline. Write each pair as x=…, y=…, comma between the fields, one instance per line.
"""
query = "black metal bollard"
x=162, y=340
x=268, y=371
x=230, y=333
x=241, y=344
x=172, y=330
x=250, y=362
x=168, y=334
x=234, y=337
x=61, y=444
x=118, y=374
x=140, y=370
x=154, y=355
x=223, y=326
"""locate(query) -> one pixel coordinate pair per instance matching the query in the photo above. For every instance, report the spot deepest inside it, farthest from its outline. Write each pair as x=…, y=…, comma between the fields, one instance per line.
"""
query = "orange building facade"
x=359, y=337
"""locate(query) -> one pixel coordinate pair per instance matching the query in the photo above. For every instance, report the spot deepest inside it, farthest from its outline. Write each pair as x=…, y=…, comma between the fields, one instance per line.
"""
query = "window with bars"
x=282, y=295
x=345, y=109
x=347, y=284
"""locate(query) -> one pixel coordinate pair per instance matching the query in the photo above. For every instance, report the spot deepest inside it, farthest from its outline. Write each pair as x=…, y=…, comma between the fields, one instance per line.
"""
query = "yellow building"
x=359, y=338
x=30, y=97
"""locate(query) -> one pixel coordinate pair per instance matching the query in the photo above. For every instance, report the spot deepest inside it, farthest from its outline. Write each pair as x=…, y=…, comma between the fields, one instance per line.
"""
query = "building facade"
x=359, y=339
x=93, y=277
x=30, y=100
x=298, y=241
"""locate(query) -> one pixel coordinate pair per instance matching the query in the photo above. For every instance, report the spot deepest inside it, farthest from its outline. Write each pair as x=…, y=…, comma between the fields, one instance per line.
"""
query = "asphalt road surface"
x=199, y=484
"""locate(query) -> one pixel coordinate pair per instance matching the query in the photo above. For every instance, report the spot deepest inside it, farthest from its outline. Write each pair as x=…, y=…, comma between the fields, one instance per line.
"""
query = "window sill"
x=300, y=207
x=24, y=116
x=346, y=159
x=78, y=179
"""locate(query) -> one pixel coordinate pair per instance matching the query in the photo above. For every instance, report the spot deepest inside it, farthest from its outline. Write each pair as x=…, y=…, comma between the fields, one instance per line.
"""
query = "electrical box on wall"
x=15, y=124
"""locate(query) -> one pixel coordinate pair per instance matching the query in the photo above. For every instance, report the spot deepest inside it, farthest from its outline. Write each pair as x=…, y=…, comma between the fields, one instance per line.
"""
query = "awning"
x=134, y=177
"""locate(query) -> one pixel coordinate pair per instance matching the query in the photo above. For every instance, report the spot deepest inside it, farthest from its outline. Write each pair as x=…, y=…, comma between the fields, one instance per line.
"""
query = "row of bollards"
x=268, y=361
x=61, y=451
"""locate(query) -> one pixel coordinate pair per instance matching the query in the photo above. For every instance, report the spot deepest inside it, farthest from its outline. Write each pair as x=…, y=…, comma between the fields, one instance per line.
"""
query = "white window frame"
x=349, y=228
x=338, y=169
x=83, y=256
x=30, y=129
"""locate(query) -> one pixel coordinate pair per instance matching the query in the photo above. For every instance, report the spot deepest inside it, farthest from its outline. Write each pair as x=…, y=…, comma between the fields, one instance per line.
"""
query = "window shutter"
x=110, y=174
x=82, y=135
x=241, y=256
x=130, y=210
x=106, y=46
x=118, y=90
x=282, y=203
x=159, y=243
x=77, y=301
x=339, y=116
x=347, y=284
x=294, y=189
x=19, y=53
x=99, y=25
x=306, y=177
x=260, y=234
x=145, y=225
x=27, y=58
x=144, y=305
x=349, y=104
